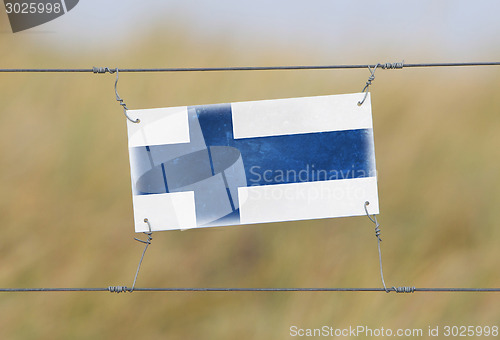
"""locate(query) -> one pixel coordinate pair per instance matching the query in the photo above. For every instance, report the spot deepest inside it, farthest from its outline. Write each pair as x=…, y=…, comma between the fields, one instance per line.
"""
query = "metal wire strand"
x=147, y=243
x=247, y=68
x=119, y=289
x=122, y=289
x=377, y=234
x=120, y=100
x=368, y=83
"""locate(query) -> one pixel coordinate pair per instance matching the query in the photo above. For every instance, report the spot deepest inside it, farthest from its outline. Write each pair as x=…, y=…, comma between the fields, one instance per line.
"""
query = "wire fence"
x=371, y=67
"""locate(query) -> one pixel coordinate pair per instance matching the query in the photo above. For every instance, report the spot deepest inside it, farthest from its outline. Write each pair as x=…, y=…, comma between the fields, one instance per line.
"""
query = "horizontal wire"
x=455, y=290
x=241, y=68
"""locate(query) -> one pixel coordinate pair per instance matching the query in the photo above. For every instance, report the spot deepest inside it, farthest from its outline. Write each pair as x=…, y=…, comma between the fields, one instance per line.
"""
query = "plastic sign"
x=252, y=162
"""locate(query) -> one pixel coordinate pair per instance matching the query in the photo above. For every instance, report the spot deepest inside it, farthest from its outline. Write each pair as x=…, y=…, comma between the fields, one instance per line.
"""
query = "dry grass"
x=66, y=214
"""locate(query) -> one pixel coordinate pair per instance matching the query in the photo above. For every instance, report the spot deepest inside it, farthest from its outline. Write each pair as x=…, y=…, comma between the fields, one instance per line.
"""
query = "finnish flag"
x=252, y=162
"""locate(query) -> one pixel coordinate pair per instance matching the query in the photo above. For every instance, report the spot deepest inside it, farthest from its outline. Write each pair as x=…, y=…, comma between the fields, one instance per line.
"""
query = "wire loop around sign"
x=147, y=242
x=122, y=289
x=368, y=83
x=118, y=98
x=377, y=234
x=385, y=66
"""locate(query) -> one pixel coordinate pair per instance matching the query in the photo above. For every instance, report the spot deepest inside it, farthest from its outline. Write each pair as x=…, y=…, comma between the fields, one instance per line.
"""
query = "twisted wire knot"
x=369, y=81
x=118, y=289
x=392, y=66
x=374, y=220
x=378, y=232
x=386, y=66
x=147, y=233
x=103, y=70
x=403, y=289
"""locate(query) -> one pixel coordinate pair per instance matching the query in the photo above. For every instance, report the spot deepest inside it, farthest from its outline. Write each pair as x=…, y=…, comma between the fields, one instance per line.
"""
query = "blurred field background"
x=66, y=208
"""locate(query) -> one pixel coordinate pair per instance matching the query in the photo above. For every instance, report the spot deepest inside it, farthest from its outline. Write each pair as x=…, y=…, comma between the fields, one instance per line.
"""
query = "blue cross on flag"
x=252, y=162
